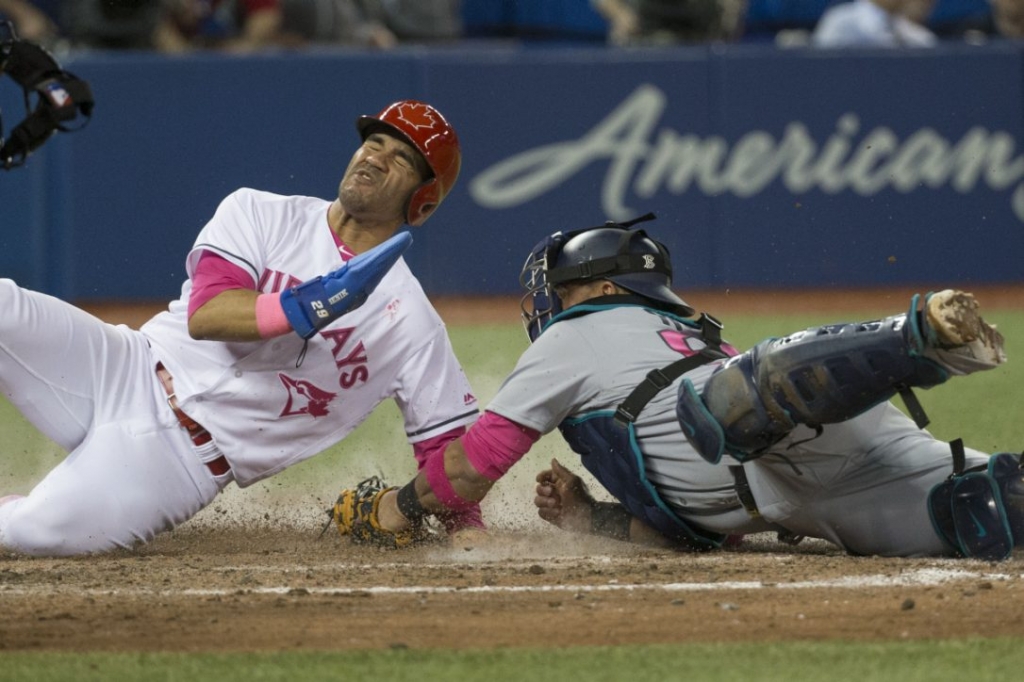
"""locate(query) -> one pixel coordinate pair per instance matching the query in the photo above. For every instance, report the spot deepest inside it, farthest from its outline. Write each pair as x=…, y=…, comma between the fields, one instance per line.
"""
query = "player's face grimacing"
x=381, y=176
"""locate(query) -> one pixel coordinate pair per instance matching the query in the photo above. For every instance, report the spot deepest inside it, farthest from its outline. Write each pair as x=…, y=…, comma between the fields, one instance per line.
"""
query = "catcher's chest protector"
x=609, y=451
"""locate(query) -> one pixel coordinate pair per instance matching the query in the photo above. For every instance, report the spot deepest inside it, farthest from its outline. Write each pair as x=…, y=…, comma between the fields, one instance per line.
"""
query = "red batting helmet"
x=422, y=126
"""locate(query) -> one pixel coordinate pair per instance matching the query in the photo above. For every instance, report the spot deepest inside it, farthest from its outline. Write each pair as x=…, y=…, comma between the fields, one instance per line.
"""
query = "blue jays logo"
x=305, y=398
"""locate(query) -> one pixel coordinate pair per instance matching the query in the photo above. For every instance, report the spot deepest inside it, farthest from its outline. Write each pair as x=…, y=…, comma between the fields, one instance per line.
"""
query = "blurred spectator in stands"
x=333, y=22
x=30, y=22
x=417, y=21
x=229, y=25
x=1008, y=18
x=112, y=24
x=664, y=22
x=876, y=23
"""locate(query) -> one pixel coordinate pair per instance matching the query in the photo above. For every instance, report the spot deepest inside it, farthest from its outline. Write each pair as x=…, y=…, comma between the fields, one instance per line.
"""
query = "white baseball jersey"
x=132, y=470
x=264, y=412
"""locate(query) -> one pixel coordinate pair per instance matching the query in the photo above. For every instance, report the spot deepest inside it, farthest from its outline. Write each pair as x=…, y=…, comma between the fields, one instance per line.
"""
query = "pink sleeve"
x=213, y=275
x=493, y=444
x=426, y=449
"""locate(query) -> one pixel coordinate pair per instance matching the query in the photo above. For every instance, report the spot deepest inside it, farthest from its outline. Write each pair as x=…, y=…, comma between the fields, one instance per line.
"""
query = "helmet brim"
x=642, y=286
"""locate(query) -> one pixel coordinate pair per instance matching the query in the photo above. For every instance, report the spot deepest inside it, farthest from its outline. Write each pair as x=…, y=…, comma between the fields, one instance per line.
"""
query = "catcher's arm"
x=447, y=483
x=564, y=501
x=567, y=503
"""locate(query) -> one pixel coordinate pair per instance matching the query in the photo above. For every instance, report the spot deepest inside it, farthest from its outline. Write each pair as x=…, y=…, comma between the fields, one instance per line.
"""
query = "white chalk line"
x=927, y=577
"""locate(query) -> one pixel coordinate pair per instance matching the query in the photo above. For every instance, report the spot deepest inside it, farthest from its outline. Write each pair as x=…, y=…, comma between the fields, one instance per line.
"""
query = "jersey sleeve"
x=236, y=233
x=551, y=380
x=434, y=394
x=214, y=275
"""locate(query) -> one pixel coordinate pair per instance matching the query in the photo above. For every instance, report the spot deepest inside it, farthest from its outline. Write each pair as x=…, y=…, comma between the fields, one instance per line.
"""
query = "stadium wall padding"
x=767, y=168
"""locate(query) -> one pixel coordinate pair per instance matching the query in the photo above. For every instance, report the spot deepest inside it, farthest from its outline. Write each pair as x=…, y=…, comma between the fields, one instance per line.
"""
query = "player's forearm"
x=467, y=484
x=612, y=520
x=229, y=316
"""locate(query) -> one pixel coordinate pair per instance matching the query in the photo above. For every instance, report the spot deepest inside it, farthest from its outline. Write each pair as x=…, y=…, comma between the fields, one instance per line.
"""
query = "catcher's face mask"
x=540, y=303
x=60, y=97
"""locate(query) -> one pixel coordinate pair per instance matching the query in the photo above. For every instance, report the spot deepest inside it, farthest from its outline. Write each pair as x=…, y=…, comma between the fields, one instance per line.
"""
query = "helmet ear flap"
x=422, y=203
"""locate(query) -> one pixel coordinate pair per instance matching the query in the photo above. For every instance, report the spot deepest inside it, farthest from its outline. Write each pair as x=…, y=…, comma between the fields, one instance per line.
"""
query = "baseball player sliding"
x=698, y=442
x=298, y=318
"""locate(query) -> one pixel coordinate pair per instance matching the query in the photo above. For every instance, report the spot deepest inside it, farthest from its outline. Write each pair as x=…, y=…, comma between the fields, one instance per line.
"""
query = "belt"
x=196, y=432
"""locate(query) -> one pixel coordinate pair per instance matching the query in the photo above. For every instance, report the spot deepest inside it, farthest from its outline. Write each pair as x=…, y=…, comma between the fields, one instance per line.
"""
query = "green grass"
x=992, y=660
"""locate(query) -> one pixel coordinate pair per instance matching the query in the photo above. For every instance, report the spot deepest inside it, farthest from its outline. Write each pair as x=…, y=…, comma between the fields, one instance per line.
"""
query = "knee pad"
x=729, y=415
x=980, y=513
x=819, y=376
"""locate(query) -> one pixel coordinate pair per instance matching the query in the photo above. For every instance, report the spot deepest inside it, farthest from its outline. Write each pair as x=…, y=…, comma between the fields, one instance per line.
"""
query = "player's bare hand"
x=563, y=499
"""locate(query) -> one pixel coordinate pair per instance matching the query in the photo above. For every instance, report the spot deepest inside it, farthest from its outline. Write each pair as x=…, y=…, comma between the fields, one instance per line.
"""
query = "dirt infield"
x=227, y=588
x=278, y=590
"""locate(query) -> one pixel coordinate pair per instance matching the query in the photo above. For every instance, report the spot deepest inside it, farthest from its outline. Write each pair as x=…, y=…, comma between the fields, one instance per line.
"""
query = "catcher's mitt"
x=355, y=515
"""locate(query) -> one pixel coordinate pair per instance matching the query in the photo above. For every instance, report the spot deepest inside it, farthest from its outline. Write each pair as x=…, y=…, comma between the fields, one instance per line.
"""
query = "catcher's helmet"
x=629, y=258
x=422, y=126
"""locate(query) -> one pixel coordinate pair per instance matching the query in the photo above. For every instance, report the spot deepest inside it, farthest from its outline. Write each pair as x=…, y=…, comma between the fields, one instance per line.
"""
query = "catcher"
x=698, y=442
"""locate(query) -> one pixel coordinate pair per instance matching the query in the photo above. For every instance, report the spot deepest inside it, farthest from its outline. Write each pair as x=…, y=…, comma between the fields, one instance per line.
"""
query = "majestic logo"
x=646, y=159
x=417, y=115
x=305, y=398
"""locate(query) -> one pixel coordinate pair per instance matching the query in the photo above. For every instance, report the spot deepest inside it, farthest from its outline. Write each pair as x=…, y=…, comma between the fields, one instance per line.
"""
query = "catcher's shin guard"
x=979, y=513
x=819, y=376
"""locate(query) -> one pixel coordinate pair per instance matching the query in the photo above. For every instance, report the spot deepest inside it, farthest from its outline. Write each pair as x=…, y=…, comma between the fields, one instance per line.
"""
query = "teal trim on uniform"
x=917, y=341
x=642, y=469
x=589, y=415
x=587, y=308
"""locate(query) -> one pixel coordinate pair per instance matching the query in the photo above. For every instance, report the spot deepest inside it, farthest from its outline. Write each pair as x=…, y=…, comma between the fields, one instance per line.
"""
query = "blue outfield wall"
x=766, y=168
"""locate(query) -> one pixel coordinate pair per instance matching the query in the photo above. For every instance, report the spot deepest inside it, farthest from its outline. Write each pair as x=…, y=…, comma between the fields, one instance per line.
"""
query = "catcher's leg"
x=829, y=374
x=980, y=512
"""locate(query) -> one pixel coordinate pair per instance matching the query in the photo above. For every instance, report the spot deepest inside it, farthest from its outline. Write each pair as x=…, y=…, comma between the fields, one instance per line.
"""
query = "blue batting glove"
x=314, y=304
